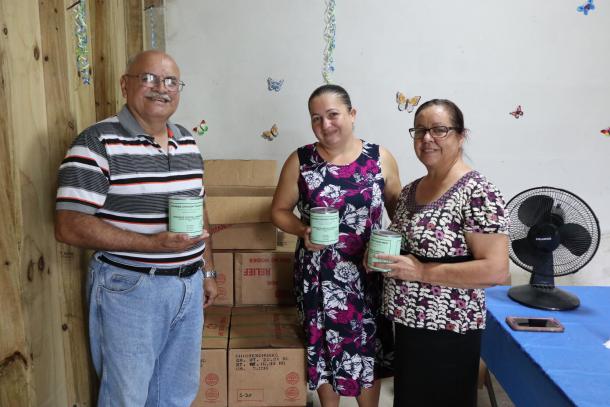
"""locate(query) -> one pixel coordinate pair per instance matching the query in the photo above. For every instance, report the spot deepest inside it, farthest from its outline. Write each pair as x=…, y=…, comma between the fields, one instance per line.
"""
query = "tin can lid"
x=389, y=233
x=179, y=197
x=324, y=209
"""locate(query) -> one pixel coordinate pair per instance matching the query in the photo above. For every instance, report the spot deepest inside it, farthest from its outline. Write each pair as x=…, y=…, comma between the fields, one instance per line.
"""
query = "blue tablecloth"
x=551, y=369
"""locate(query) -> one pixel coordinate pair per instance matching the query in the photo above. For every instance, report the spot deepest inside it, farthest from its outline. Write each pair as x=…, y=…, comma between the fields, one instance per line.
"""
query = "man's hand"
x=176, y=242
x=90, y=232
x=210, y=292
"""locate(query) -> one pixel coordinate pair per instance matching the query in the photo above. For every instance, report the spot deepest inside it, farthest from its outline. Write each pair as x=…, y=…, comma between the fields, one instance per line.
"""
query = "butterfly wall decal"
x=585, y=8
x=405, y=103
x=201, y=129
x=274, y=85
x=271, y=134
x=517, y=113
x=605, y=132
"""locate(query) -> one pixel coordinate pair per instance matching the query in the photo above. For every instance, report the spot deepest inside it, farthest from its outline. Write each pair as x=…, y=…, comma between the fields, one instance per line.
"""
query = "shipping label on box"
x=266, y=362
x=244, y=236
x=213, y=375
x=223, y=264
x=264, y=278
x=267, y=377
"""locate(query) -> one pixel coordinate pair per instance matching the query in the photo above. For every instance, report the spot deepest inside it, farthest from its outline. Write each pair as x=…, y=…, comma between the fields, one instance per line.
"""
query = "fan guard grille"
x=575, y=211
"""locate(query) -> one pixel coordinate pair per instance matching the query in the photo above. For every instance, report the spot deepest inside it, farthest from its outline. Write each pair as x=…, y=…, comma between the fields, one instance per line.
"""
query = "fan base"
x=554, y=299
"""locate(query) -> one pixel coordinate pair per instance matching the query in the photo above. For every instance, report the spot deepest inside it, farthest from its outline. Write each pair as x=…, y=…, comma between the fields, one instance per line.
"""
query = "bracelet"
x=209, y=273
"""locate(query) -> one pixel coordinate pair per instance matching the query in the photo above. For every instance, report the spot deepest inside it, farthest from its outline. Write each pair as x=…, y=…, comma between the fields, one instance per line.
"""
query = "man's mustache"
x=157, y=95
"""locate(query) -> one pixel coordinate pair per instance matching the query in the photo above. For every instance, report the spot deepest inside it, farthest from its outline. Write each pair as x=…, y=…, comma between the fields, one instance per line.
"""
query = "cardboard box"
x=254, y=173
x=286, y=242
x=239, y=204
x=264, y=278
x=223, y=264
x=239, y=191
x=244, y=236
x=266, y=361
x=213, y=376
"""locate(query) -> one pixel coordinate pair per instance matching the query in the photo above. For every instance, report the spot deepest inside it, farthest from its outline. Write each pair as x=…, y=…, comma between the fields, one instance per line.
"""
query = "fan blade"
x=534, y=208
x=529, y=254
x=575, y=238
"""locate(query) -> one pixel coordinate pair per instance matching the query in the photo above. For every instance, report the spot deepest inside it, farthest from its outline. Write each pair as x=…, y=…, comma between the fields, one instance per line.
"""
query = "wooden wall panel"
x=44, y=359
x=73, y=109
x=110, y=55
x=82, y=100
x=154, y=3
x=38, y=285
x=14, y=365
x=134, y=27
x=13, y=382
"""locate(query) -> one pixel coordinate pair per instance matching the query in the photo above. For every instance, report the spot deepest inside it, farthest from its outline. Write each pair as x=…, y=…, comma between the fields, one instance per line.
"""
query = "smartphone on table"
x=534, y=324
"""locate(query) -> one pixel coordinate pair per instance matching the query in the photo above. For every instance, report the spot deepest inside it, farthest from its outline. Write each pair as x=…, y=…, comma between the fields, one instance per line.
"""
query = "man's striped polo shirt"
x=117, y=172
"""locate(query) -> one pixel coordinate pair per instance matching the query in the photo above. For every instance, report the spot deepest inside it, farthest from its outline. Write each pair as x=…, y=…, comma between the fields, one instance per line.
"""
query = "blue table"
x=551, y=369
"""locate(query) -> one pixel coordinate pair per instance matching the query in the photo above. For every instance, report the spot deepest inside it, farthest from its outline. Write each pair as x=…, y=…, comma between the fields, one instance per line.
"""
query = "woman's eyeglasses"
x=437, y=132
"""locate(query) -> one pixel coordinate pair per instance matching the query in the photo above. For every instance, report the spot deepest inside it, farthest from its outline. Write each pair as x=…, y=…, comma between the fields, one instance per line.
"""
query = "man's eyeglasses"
x=150, y=80
x=437, y=132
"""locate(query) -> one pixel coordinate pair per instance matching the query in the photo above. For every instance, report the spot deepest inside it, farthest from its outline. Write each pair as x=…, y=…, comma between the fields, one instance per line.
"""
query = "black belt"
x=182, y=271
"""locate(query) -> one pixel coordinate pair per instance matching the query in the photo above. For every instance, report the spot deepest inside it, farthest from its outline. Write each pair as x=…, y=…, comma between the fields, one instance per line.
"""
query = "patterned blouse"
x=436, y=232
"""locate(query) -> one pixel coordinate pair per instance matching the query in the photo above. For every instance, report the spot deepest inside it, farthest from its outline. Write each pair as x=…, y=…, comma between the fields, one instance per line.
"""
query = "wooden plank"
x=74, y=313
x=110, y=55
x=134, y=27
x=43, y=104
x=13, y=386
x=14, y=368
x=154, y=3
x=82, y=100
x=33, y=228
x=72, y=104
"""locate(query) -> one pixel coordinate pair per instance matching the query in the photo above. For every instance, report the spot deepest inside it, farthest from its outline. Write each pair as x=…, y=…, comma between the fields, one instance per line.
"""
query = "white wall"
x=486, y=56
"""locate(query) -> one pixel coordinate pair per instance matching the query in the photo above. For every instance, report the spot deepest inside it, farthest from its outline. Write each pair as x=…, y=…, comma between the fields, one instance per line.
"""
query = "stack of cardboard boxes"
x=252, y=353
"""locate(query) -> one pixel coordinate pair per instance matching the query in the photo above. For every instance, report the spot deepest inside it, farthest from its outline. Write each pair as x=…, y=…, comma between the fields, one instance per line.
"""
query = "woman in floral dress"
x=338, y=302
x=454, y=244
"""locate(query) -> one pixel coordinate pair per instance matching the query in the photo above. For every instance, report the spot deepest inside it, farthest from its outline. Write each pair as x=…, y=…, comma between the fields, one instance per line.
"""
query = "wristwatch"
x=209, y=273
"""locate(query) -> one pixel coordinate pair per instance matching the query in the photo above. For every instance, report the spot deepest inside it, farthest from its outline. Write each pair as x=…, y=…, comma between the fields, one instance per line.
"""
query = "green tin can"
x=383, y=242
x=324, y=222
x=186, y=215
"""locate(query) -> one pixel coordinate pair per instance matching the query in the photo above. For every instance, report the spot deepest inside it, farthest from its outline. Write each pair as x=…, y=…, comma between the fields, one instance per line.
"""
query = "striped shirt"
x=117, y=172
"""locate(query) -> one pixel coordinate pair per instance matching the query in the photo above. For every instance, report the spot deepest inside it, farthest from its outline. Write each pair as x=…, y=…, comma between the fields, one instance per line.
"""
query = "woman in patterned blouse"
x=454, y=244
x=339, y=303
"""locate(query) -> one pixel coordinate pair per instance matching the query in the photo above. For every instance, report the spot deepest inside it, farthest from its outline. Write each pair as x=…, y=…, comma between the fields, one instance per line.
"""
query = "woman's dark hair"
x=335, y=89
x=457, y=118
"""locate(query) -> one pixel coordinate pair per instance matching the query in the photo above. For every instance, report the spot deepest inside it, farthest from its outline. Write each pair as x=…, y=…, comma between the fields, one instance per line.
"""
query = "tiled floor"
x=387, y=391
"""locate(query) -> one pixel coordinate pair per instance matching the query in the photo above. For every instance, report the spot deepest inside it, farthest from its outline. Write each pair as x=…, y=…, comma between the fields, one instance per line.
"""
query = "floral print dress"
x=339, y=303
x=436, y=232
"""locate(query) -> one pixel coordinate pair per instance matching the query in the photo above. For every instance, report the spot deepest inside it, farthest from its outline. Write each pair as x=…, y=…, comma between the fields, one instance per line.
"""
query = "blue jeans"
x=145, y=336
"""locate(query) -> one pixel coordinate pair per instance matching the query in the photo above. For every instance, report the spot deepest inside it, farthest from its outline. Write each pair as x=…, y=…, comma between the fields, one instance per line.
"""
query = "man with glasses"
x=147, y=287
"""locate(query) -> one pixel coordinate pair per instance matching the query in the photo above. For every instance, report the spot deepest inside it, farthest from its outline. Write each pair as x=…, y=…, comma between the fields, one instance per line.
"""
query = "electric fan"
x=552, y=233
